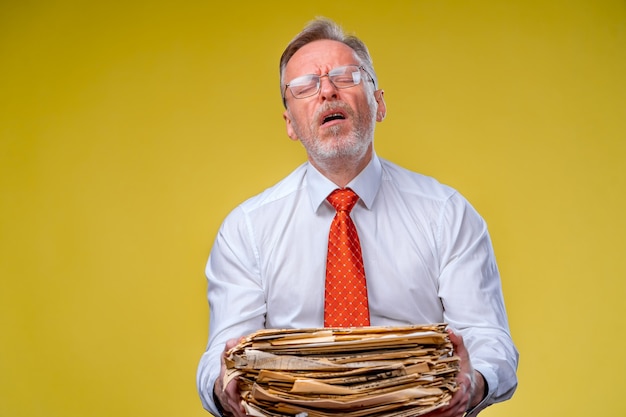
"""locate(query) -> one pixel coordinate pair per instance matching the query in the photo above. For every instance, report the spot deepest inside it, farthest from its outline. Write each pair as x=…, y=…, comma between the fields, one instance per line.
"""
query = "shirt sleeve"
x=471, y=293
x=236, y=298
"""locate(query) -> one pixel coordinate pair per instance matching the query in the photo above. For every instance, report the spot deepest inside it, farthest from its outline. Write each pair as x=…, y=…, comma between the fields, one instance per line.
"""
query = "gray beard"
x=353, y=145
x=340, y=146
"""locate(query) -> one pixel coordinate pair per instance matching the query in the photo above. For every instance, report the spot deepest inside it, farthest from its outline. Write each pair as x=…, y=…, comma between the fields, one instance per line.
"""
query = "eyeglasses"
x=340, y=77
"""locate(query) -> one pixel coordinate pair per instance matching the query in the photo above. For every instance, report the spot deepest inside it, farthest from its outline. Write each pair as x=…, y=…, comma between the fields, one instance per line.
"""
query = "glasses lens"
x=304, y=86
x=341, y=77
x=344, y=77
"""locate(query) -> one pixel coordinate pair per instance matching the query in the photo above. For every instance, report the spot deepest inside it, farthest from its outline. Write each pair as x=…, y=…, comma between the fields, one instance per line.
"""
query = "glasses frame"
x=319, y=82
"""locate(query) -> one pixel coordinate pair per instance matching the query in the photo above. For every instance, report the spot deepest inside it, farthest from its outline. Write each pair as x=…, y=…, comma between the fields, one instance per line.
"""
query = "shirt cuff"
x=218, y=405
x=490, y=379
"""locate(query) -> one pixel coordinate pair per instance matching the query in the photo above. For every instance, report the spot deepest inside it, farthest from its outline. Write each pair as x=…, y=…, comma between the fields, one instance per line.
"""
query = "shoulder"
x=286, y=187
x=413, y=183
x=271, y=197
x=423, y=195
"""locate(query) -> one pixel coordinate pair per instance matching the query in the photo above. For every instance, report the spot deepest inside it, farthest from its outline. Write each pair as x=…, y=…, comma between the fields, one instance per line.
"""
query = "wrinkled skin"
x=342, y=148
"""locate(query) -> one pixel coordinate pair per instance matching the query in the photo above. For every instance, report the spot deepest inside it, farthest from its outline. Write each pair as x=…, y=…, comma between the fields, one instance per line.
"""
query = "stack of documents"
x=352, y=372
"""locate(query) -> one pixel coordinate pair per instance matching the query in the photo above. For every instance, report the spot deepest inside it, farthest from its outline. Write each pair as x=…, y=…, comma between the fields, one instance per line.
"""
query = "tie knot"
x=343, y=199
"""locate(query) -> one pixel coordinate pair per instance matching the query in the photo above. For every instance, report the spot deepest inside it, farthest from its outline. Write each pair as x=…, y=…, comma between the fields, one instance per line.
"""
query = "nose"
x=327, y=88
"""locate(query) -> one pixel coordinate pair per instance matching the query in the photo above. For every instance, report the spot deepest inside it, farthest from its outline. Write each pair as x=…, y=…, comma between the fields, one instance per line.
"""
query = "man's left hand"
x=470, y=384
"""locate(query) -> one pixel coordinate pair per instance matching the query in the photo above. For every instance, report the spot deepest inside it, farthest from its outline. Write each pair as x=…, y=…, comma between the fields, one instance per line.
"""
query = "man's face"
x=333, y=123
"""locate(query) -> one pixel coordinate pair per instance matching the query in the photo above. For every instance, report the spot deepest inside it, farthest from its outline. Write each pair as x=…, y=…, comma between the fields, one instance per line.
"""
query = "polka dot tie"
x=345, y=303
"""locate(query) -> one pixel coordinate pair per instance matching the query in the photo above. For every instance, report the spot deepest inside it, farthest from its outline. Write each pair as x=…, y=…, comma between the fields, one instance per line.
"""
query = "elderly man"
x=418, y=252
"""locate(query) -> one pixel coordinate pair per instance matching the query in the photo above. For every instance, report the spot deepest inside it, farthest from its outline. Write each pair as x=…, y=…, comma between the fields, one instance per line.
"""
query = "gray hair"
x=325, y=29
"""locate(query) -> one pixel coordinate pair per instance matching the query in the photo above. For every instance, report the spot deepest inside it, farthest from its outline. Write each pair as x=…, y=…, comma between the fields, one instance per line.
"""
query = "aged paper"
x=350, y=372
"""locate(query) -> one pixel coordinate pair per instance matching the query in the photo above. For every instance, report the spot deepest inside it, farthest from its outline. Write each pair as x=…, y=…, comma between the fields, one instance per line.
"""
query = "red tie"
x=345, y=303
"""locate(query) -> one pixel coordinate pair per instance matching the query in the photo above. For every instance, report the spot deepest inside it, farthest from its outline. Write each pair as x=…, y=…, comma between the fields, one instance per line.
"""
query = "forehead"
x=319, y=57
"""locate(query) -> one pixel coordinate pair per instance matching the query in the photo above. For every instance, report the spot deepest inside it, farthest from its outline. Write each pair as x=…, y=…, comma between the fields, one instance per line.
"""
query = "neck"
x=343, y=170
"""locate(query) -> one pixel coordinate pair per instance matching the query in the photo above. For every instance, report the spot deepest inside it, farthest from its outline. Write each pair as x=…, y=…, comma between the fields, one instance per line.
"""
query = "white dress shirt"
x=427, y=254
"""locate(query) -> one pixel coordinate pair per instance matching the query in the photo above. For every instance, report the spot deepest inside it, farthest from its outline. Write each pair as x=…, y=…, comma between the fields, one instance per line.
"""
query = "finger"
x=233, y=396
x=460, y=350
x=457, y=341
x=465, y=384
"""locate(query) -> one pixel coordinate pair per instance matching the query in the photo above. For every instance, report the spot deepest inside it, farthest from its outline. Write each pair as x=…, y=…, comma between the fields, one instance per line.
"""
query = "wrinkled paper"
x=353, y=372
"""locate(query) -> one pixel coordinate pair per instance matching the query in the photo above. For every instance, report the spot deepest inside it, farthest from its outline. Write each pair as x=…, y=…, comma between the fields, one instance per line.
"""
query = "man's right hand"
x=229, y=399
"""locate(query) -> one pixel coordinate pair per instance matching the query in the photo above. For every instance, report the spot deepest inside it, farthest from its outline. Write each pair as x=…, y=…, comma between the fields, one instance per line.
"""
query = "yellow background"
x=129, y=129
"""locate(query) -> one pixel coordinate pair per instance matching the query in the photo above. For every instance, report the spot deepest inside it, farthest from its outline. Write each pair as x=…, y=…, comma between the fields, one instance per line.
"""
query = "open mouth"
x=333, y=116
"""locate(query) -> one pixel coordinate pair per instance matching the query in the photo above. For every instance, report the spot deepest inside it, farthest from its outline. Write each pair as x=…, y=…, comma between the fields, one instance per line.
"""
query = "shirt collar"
x=366, y=184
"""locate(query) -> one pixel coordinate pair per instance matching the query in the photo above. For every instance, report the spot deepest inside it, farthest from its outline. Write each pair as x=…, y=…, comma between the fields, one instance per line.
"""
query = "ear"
x=290, y=132
x=381, y=109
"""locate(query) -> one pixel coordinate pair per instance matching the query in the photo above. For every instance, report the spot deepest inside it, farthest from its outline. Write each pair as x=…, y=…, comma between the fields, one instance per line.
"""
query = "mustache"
x=334, y=106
